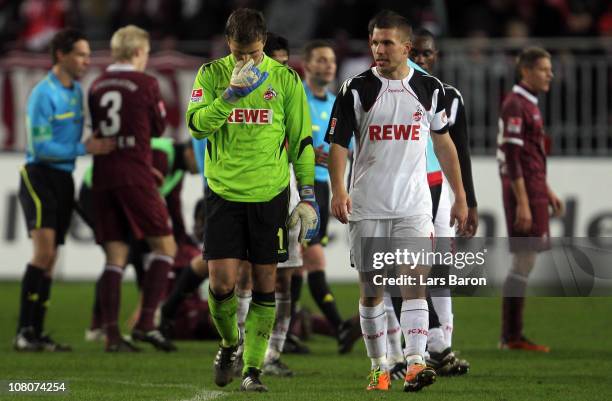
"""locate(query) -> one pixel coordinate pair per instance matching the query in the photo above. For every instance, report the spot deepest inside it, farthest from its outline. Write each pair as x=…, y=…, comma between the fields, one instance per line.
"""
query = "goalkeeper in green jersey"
x=254, y=113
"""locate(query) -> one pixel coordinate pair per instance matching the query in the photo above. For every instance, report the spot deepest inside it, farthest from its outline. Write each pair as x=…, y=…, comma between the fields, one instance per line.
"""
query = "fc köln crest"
x=417, y=114
x=269, y=94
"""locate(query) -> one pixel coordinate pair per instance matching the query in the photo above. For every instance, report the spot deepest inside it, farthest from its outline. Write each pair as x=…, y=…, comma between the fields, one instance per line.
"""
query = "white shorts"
x=414, y=233
x=444, y=232
x=294, y=247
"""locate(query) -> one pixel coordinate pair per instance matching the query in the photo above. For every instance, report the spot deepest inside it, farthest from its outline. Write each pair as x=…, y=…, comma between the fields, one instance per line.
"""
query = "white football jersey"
x=391, y=121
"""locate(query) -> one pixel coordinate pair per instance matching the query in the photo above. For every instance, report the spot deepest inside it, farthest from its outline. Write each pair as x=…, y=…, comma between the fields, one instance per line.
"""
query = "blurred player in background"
x=125, y=103
x=319, y=73
x=526, y=195
x=247, y=106
x=188, y=280
x=277, y=47
x=439, y=340
x=46, y=190
x=381, y=204
x=172, y=161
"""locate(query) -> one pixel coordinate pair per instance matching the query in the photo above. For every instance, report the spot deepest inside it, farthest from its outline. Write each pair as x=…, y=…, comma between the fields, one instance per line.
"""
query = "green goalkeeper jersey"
x=252, y=142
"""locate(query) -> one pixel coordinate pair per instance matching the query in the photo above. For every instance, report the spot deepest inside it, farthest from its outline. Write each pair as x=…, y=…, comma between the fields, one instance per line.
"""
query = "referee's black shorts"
x=46, y=195
x=253, y=231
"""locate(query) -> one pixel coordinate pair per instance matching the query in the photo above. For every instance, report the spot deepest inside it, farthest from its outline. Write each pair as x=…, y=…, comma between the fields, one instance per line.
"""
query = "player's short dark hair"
x=246, y=25
x=388, y=19
x=529, y=57
x=424, y=33
x=314, y=44
x=276, y=42
x=64, y=41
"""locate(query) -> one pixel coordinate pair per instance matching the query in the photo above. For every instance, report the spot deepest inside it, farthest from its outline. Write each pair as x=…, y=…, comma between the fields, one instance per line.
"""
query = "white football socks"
x=394, y=334
x=414, y=321
x=435, y=340
x=244, y=300
x=443, y=305
x=374, y=328
x=281, y=327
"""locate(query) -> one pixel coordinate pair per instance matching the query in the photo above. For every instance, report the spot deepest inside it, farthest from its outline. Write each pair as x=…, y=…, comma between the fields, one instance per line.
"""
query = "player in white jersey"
x=391, y=109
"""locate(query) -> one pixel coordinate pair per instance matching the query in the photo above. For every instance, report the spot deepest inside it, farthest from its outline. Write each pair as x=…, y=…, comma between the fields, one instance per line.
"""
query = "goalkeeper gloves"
x=245, y=79
x=307, y=213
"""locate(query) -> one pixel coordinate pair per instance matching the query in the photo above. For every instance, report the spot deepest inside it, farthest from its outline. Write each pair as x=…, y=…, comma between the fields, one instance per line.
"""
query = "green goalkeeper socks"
x=258, y=327
x=223, y=311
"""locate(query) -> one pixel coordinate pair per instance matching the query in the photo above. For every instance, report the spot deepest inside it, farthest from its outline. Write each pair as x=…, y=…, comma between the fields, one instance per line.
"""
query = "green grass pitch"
x=579, y=330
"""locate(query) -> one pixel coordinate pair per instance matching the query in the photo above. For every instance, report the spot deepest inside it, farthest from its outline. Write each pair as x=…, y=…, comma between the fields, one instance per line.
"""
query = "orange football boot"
x=418, y=376
x=379, y=380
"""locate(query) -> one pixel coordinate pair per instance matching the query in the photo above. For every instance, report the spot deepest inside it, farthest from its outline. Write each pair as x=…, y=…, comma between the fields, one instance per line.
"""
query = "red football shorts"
x=538, y=238
x=130, y=213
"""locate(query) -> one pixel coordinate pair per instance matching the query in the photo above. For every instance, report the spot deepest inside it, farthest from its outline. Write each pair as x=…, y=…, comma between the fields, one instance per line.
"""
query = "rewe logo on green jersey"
x=250, y=116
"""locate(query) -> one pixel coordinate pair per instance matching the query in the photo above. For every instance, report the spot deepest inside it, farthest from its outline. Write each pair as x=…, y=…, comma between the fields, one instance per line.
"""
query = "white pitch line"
x=137, y=383
x=201, y=394
x=205, y=395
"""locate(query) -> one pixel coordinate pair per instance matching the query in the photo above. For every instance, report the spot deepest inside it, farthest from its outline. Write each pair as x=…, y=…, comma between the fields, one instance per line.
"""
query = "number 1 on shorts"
x=280, y=238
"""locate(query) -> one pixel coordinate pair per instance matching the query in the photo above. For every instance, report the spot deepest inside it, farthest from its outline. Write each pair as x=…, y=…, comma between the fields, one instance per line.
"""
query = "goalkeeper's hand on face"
x=246, y=77
x=307, y=213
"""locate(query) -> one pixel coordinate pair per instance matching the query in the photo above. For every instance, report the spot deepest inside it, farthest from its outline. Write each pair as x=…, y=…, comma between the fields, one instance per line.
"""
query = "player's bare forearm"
x=337, y=166
x=520, y=191
x=549, y=190
x=447, y=156
x=523, y=221
x=555, y=202
x=341, y=205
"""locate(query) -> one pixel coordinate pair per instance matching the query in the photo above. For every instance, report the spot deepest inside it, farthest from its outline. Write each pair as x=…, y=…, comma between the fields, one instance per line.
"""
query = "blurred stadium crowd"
x=478, y=40
x=29, y=24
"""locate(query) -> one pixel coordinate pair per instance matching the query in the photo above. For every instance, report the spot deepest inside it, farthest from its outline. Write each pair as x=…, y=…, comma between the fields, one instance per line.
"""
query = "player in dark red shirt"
x=522, y=166
x=172, y=161
x=125, y=103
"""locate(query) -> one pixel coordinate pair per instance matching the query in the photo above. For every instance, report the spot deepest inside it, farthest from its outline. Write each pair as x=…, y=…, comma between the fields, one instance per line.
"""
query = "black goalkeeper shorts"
x=253, y=231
